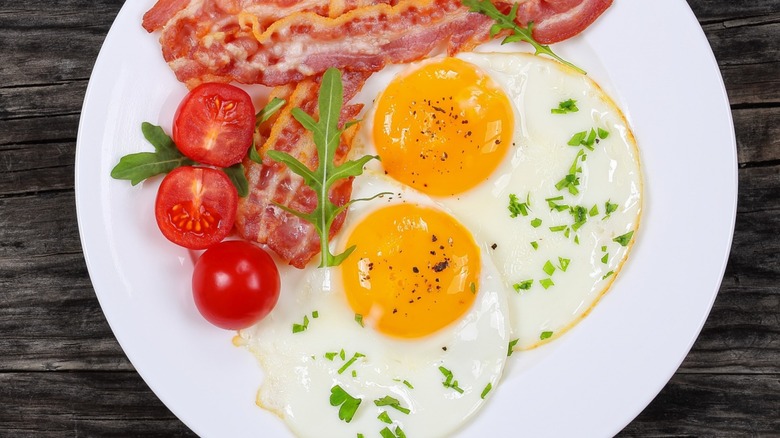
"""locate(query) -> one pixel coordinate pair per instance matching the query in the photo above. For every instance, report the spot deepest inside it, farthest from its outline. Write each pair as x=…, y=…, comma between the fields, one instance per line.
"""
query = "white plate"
x=593, y=381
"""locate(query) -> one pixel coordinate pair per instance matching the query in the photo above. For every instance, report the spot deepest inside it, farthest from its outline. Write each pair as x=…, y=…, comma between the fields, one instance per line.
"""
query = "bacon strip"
x=258, y=218
x=211, y=40
x=261, y=45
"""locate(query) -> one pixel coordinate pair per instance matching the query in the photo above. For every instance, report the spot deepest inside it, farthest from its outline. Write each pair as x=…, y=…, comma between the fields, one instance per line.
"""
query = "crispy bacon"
x=269, y=44
x=214, y=40
x=258, y=218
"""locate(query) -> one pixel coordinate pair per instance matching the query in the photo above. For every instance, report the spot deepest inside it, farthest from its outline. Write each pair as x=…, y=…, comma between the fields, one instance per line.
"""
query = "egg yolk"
x=414, y=270
x=443, y=128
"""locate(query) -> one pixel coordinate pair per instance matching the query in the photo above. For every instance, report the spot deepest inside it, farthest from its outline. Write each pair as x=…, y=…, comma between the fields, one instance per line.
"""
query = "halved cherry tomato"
x=214, y=124
x=235, y=284
x=196, y=206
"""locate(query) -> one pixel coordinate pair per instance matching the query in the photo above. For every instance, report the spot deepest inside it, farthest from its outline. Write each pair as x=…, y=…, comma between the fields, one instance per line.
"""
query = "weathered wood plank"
x=38, y=224
x=83, y=404
x=758, y=134
x=32, y=168
x=720, y=10
x=42, y=100
x=32, y=130
x=704, y=405
x=50, y=318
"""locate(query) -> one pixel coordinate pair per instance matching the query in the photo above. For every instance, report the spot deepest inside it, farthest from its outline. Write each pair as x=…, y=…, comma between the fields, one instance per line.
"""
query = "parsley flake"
x=347, y=404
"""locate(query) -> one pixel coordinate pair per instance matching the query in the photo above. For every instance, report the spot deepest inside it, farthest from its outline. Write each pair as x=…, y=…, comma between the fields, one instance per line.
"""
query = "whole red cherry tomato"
x=235, y=284
x=214, y=124
x=196, y=206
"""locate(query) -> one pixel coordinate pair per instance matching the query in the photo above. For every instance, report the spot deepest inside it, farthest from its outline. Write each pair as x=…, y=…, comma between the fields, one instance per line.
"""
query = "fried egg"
x=534, y=159
x=409, y=333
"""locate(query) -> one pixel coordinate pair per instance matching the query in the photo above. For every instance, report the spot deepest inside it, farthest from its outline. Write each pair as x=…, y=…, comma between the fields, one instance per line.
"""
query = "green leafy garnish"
x=392, y=402
x=331, y=355
x=516, y=207
x=605, y=259
x=238, y=178
x=449, y=382
x=507, y=22
x=546, y=283
x=523, y=285
x=511, y=348
x=387, y=433
x=535, y=245
x=359, y=319
x=142, y=165
x=548, y=268
x=383, y=417
x=485, y=391
x=326, y=135
x=567, y=106
x=564, y=263
x=348, y=404
x=545, y=335
x=623, y=239
x=609, y=208
x=607, y=274
x=349, y=363
x=269, y=109
x=593, y=210
x=536, y=223
x=297, y=328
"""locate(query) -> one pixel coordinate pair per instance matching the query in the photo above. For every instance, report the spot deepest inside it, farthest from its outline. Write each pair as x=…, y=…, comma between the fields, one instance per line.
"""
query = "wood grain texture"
x=62, y=373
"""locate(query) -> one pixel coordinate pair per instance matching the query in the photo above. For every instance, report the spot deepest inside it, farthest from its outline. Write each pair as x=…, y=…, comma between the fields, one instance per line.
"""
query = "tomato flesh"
x=235, y=284
x=196, y=206
x=215, y=124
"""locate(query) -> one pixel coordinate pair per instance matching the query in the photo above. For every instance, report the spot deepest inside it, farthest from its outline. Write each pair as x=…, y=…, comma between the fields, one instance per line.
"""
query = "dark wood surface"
x=62, y=372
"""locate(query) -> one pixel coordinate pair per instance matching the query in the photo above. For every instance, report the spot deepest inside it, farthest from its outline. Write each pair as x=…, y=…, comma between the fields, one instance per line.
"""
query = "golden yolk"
x=443, y=128
x=414, y=270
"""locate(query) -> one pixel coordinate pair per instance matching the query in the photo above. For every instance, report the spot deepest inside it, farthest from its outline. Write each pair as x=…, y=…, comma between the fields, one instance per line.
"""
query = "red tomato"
x=214, y=124
x=196, y=206
x=235, y=284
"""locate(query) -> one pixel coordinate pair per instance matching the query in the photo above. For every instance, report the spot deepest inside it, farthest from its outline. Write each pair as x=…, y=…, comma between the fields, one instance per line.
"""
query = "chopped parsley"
x=523, y=285
x=359, y=319
x=546, y=283
x=350, y=361
x=564, y=263
x=535, y=245
x=545, y=335
x=347, y=404
x=536, y=223
x=449, y=381
x=512, y=344
x=623, y=239
x=387, y=433
x=331, y=355
x=548, y=268
x=383, y=417
x=609, y=208
x=485, y=391
x=607, y=274
x=516, y=207
x=605, y=259
x=392, y=402
x=405, y=382
x=567, y=106
x=594, y=210
x=554, y=205
x=297, y=328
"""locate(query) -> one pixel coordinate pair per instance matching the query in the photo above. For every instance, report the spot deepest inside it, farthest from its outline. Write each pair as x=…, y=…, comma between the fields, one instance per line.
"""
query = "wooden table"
x=62, y=372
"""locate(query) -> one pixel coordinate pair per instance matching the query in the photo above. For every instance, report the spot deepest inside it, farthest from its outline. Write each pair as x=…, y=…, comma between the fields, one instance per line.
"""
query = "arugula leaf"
x=142, y=165
x=326, y=137
x=269, y=109
x=237, y=177
x=348, y=404
x=507, y=22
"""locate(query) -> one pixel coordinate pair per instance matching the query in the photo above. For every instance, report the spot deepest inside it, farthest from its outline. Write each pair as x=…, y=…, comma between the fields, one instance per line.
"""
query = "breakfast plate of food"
x=418, y=218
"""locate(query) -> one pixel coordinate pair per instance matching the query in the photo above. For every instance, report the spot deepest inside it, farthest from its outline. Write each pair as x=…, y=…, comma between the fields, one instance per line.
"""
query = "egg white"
x=299, y=377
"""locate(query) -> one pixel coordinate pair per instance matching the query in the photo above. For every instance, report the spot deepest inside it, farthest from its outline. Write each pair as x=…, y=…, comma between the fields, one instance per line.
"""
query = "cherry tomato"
x=196, y=206
x=214, y=124
x=235, y=284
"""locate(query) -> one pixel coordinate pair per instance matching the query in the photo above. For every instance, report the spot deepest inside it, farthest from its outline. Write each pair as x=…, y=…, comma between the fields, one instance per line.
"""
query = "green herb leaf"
x=387, y=433
x=536, y=223
x=449, y=381
x=383, y=417
x=254, y=155
x=516, y=207
x=564, y=263
x=607, y=274
x=315, y=314
x=535, y=245
x=507, y=22
x=331, y=355
x=238, y=178
x=269, y=109
x=326, y=137
x=545, y=335
x=359, y=319
x=546, y=283
x=623, y=239
x=348, y=404
x=523, y=285
x=349, y=363
x=297, y=328
x=142, y=165
x=511, y=348
x=548, y=268
x=392, y=402
x=485, y=391
x=605, y=259
x=593, y=210
x=567, y=106
x=609, y=208
x=603, y=133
